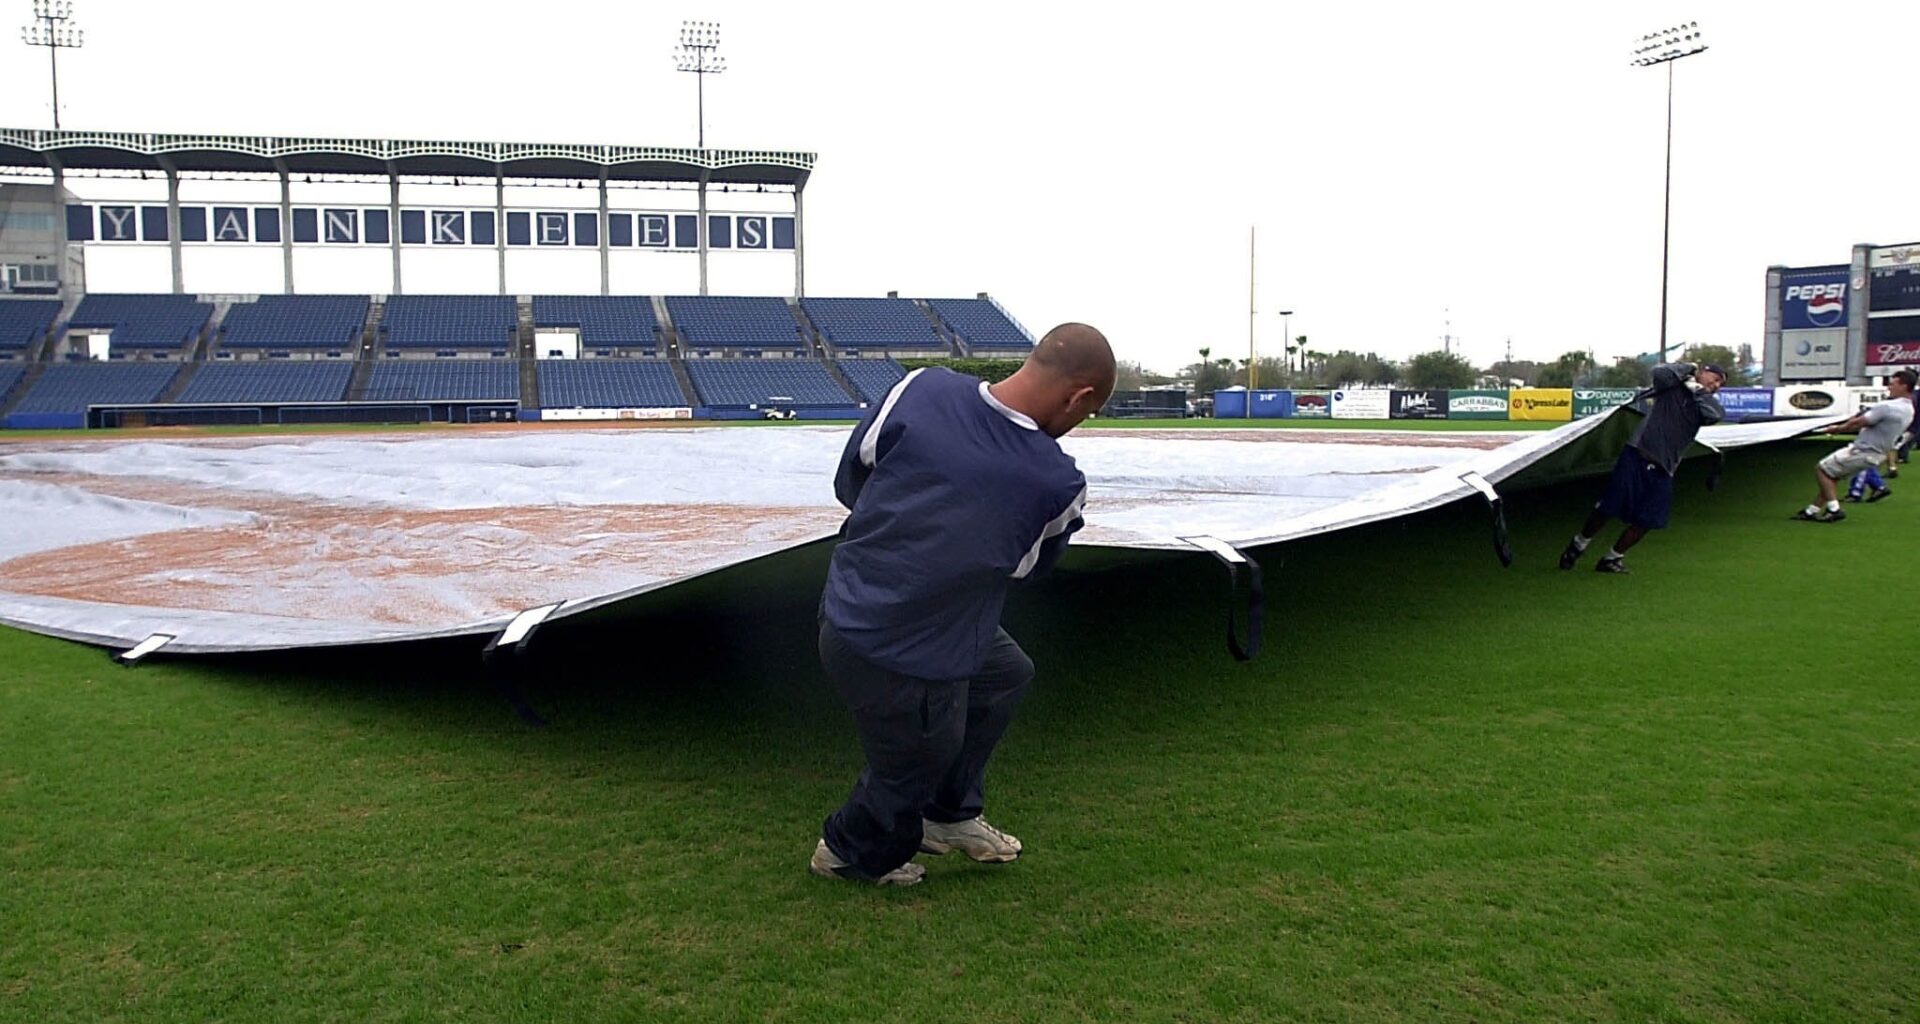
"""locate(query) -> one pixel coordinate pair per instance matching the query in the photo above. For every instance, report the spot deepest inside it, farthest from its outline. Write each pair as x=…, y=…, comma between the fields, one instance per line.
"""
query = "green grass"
x=1446, y=792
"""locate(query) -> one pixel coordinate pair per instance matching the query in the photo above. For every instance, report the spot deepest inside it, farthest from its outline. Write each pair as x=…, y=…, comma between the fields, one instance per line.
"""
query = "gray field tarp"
x=260, y=543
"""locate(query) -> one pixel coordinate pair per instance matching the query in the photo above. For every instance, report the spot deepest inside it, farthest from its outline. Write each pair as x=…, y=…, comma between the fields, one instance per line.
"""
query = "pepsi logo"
x=1826, y=303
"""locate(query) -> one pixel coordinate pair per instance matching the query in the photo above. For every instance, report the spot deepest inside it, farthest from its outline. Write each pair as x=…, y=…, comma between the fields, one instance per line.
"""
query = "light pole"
x=1665, y=47
x=698, y=40
x=52, y=29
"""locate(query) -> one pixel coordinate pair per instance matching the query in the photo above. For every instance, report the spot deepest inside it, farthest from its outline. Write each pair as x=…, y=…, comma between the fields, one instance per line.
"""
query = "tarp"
x=231, y=544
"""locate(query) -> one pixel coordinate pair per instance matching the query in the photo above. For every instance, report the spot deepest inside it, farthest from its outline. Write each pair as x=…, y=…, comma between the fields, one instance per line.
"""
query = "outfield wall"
x=1543, y=405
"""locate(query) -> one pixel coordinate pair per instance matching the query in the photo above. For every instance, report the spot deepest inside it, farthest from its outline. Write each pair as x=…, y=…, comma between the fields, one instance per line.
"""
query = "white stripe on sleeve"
x=870, y=444
x=1053, y=529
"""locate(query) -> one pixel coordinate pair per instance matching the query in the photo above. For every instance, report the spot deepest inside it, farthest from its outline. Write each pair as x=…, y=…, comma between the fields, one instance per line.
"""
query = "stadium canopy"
x=62, y=152
x=268, y=154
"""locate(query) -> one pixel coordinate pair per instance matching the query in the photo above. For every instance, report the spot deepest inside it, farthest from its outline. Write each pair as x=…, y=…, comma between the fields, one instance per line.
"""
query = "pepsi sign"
x=1812, y=300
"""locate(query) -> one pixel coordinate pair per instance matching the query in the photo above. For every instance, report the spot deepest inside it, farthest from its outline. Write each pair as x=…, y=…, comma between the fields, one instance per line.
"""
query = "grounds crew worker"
x=956, y=489
x=1879, y=427
x=1640, y=492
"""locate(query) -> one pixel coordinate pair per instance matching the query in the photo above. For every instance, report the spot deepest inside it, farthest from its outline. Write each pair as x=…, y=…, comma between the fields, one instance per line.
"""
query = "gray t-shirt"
x=1885, y=421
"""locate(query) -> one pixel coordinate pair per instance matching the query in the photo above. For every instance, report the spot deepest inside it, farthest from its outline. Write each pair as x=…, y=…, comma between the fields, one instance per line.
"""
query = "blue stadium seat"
x=332, y=323
x=738, y=383
x=605, y=321
x=10, y=374
x=873, y=323
x=449, y=323
x=715, y=322
x=25, y=321
x=981, y=324
x=873, y=378
x=71, y=387
x=276, y=380
x=408, y=380
x=144, y=321
x=608, y=384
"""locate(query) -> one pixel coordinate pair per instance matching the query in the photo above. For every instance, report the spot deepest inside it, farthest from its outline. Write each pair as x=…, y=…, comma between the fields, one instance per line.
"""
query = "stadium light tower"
x=698, y=40
x=1667, y=46
x=53, y=29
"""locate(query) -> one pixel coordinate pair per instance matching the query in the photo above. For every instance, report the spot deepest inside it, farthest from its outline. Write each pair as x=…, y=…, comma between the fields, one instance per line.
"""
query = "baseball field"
x=1446, y=792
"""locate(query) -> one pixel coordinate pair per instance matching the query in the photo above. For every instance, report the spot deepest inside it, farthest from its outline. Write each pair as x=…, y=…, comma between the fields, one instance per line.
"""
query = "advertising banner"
x=1474, y=404
x=1813, y=298
x=614, y=414
x=1362, y=404
x=1312, y=405
x=1230, y=405
x=1746, y=403
x=1272, y=405
x=1537, y=404
x=1418, y=405
x=1811, y=400
x=1594, y=401
x=1893, y=343
x=1813, y=355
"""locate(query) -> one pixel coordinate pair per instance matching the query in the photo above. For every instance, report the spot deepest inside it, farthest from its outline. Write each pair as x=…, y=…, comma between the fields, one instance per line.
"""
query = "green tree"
x=1626, y=372
x=1439, y=369
x=1565, y=371
x=1723, y=357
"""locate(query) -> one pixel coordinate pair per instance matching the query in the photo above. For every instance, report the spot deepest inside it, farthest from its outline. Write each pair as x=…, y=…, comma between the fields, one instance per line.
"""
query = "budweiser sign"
x=1888, y=353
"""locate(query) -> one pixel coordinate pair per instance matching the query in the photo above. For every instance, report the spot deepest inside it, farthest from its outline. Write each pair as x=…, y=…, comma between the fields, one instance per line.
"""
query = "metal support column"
x=60, y=259
x=393, y=221
x=700, y=231
x=799, y=239
x=604, y=276
x=286, y=226
x=173, y=224
x=500, y=222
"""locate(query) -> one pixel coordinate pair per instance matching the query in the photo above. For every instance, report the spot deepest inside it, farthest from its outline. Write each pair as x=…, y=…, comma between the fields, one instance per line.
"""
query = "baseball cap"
x=1714, y=368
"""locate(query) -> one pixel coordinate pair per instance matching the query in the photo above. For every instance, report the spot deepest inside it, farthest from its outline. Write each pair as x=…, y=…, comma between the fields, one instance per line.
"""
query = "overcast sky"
x=1498, y=161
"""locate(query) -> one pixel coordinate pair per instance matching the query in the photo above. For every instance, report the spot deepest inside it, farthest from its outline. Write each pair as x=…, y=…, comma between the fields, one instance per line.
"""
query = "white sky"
x=1502, y=161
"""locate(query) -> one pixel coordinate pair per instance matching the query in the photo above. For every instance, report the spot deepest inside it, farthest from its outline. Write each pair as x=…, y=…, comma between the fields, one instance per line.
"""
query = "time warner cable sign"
x=1813, y=323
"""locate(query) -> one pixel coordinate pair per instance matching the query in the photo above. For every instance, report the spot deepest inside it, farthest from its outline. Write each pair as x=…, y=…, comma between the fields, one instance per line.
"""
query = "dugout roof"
x=149, y=151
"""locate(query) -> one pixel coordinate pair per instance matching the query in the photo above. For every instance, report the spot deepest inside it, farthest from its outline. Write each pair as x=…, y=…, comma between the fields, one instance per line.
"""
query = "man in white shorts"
x=1879, y=427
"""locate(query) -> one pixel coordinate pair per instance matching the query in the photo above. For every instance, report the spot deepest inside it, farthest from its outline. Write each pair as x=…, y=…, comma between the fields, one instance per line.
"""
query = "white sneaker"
x=826, y=865
x=973, y=837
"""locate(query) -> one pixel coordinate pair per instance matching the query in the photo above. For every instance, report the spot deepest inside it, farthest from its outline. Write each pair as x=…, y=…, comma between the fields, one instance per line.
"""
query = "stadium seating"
x=873, y=378
x=71, y=387
x=10, y=375
x=716, y=322
x=605, y=321
x=25, y=321
x=448, y=323
x=873, y=323
x=738, y=383
x=285, y=322
x=407, y=380
x=144, y=321
x=980, y=323
x=608, y=384
x=277, y=380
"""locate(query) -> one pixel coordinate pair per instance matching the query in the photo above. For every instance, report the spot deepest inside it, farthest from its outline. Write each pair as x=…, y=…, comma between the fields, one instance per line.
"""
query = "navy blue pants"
x=927, y=743
x=1639, y=493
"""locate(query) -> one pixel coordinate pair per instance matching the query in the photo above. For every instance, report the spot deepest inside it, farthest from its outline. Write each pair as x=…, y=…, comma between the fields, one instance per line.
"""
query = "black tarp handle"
x=1719, y=467
x=505, y=661
x=1502, y=545
x=1233, y=558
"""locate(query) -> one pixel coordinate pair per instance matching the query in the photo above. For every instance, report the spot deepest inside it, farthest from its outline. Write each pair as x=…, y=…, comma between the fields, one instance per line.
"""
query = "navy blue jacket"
x=953, y=496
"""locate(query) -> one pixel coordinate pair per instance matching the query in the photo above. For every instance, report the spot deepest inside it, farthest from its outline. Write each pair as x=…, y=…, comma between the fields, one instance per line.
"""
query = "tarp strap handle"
x=1233, y=558
x=505, y=660
x=132, y=656
x=1502, y=546
x=1719, y=467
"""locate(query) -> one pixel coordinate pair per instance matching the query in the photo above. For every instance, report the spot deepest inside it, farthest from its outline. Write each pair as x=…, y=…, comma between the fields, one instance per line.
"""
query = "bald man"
x=956, y=490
